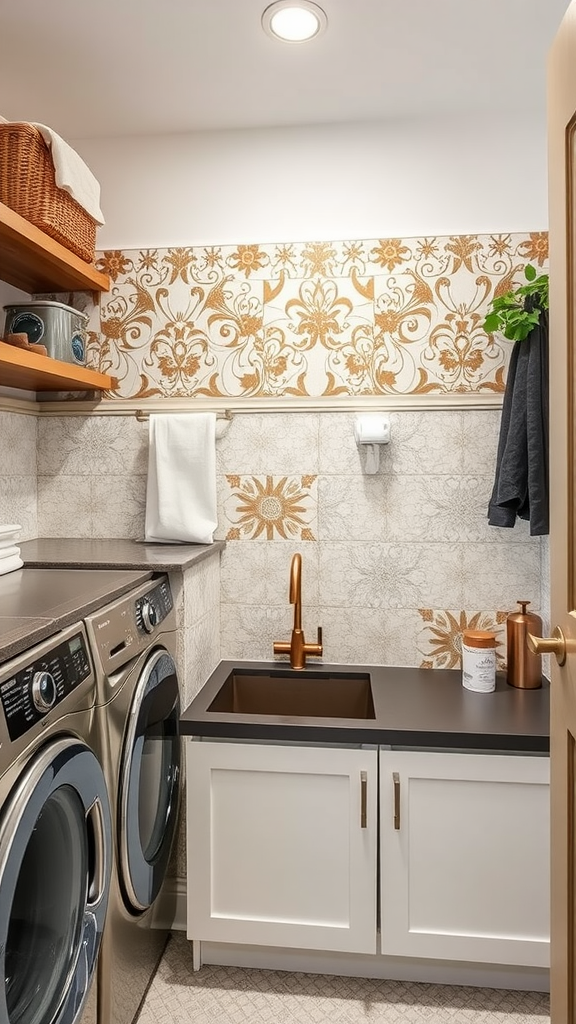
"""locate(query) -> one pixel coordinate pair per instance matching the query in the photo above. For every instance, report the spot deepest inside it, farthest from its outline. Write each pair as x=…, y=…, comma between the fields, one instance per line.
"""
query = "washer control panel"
x=125, y=628
x=32, y=691
x=153, y=607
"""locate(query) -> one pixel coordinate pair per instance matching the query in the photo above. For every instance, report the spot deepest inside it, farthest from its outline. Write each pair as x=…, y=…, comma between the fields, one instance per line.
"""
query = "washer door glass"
x=55, y=844
x=150, y=781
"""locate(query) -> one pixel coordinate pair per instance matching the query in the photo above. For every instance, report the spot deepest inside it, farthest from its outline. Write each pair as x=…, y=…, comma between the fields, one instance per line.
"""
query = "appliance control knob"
x=149, y=615
x=43, y=691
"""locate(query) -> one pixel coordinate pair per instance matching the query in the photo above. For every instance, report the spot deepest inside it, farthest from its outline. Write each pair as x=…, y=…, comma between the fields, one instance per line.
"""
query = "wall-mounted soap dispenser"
x=370, y=431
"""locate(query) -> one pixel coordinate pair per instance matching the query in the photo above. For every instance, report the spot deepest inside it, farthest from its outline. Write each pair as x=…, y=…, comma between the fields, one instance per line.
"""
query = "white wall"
x=322, y=183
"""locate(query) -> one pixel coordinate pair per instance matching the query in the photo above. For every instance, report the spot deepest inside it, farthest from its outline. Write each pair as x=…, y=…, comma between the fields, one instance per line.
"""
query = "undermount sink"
x=295, y=694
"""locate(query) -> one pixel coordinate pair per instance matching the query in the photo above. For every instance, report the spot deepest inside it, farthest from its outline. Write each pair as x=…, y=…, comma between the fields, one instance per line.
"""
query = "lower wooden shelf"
x=20, y=368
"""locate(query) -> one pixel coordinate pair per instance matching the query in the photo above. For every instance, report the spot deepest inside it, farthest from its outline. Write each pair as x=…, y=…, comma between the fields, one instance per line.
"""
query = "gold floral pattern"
x=319, y=258
x=441, y=637
x=319, y=312
x=358, y=317
x=390, y=253
x=463, y=247
x=114, y=263
x=536, y=247
x=268, y=507
x=180, y=261
x=247, y=258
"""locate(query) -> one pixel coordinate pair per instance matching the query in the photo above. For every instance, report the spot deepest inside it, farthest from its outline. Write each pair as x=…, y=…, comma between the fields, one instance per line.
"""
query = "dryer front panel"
x=149, y=781
x=55, y=863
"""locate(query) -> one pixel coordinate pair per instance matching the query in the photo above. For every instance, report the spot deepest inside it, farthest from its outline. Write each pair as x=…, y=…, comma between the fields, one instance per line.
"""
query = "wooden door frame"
x=562, y=170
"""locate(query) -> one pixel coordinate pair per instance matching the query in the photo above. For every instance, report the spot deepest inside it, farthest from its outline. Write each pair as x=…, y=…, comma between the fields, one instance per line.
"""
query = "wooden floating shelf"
x=34, y=262
x=20, y=368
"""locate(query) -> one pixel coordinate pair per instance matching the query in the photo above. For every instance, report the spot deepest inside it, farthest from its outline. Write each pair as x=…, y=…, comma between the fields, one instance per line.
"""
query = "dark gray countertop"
x=80, y=553
x=36, y=603
x=412, y=707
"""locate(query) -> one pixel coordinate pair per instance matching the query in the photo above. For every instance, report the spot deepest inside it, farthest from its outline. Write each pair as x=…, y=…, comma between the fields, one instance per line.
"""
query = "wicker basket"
x=28, y=187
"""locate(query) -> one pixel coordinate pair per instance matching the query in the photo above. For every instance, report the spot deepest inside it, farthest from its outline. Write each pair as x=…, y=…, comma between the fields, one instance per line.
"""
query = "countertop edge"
x=368, y=736
x=56, y=553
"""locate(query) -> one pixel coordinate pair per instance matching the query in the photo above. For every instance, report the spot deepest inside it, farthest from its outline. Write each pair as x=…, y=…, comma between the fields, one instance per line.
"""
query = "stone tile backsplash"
x=18, y=481
x=393, y=563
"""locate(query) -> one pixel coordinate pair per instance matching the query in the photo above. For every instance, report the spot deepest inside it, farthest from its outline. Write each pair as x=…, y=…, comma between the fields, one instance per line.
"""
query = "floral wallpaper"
x=390, y=316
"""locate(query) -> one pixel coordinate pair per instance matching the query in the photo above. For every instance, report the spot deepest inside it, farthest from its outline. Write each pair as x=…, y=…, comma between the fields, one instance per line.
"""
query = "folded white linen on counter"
x=72, y=174
x=181, y=486
x=9, y=564
x=9, y=552
x=9, y=534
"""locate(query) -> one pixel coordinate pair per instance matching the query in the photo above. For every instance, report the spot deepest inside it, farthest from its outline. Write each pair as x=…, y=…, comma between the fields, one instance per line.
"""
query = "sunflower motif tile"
x=271, y=508
x=440, y=637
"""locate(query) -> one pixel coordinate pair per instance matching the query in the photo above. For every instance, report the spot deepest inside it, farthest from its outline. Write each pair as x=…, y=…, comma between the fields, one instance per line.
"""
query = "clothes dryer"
x=55, y=833
x=133, y=642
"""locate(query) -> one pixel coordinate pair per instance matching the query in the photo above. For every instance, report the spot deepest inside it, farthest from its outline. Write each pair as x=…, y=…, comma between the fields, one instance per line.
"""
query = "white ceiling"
x=139, y=67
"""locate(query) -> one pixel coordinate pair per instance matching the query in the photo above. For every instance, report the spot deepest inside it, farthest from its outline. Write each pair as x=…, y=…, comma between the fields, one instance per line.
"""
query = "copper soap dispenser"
x=524, y=667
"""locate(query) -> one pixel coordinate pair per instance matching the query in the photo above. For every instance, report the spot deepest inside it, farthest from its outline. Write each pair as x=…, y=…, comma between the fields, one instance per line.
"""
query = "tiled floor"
x=231, y=995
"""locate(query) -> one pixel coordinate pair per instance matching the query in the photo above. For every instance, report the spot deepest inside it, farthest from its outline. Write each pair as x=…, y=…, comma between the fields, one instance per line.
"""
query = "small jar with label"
x=479, y=660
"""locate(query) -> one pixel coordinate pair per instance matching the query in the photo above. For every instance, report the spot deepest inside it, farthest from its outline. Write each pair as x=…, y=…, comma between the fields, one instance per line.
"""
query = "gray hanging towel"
x=521, y=480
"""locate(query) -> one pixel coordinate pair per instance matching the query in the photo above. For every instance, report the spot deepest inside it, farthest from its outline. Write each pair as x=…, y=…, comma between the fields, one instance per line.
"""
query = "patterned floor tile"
x=232, y=995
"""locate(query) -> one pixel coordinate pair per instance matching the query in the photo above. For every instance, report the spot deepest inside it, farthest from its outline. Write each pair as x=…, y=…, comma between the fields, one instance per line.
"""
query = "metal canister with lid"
x=524, y=667
x=479, y=660
x=60, y=328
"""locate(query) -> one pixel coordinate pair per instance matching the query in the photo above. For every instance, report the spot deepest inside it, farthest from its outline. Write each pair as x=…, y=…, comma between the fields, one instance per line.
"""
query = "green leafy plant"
x=511, y=314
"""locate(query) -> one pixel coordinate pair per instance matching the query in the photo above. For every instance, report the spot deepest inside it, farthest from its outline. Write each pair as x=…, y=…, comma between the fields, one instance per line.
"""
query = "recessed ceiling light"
x=294, y=21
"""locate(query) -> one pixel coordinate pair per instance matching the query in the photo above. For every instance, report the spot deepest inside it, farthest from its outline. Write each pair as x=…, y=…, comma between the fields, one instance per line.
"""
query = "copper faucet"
x=298, y=648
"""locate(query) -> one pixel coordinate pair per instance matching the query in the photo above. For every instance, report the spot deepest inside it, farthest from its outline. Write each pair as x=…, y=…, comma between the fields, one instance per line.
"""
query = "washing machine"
x=55, y=833
x=133, y=641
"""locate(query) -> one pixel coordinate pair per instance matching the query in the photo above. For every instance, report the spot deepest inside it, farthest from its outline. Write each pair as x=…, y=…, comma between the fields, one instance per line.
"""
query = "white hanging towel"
x=181, y=486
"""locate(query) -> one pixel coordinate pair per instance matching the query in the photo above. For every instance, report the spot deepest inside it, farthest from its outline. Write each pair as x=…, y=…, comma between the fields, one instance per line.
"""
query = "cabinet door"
x=465, y=857
x=282, y=845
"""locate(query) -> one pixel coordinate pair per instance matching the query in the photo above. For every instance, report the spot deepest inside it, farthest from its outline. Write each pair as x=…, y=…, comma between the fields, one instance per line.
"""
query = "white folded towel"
x=72, y=174
x=181, y=486
x=8, y=534
x=9, y=552
x=9, y=564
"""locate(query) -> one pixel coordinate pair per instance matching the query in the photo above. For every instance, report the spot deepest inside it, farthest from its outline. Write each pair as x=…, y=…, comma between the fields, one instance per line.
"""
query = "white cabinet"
x=464, y=857
x=282, y=845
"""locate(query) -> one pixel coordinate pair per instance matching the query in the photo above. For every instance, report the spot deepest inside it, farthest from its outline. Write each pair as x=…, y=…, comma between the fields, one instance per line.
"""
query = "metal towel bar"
x=142, y=415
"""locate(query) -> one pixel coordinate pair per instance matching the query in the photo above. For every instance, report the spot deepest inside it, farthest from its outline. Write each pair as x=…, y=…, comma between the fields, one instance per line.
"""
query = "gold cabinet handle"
x=396, y=784
x=555, y=644
x=363, y=799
